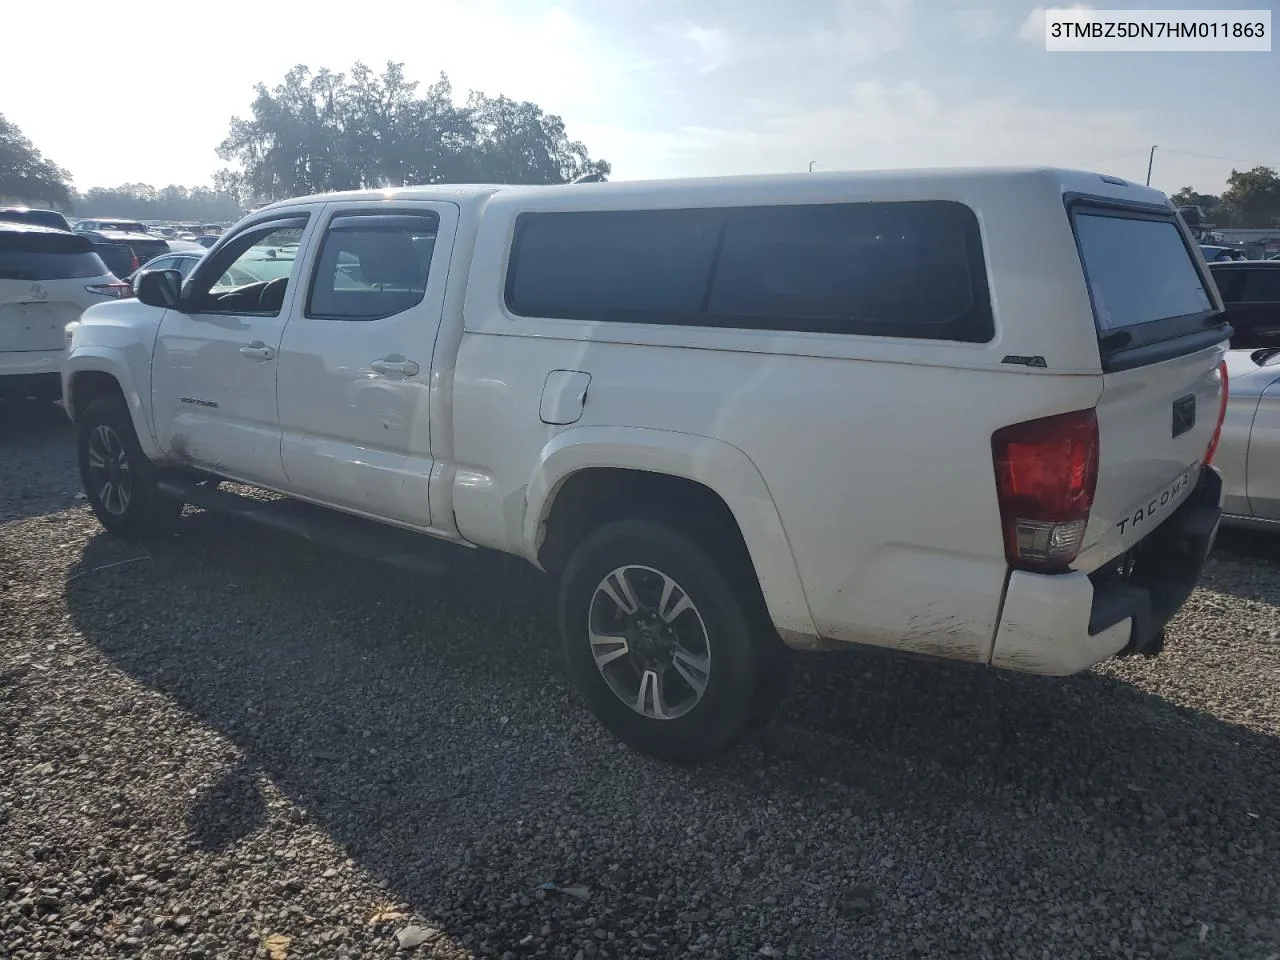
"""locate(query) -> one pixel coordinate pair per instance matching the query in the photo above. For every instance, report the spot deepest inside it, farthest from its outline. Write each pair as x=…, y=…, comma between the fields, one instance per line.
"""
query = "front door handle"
x=257, y=351
x=395, y=365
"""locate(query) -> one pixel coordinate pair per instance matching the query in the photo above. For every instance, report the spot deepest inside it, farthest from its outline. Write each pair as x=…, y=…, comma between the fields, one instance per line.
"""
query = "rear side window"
x=1139, y=270
x=633, y=265
x=372, y=266
x=902, y=269
x=840, y=268
x=47, y=256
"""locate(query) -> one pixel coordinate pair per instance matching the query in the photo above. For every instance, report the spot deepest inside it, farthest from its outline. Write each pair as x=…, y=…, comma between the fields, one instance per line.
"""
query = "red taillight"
x=1046, y=473
x=119, y=289
x=1222, y=415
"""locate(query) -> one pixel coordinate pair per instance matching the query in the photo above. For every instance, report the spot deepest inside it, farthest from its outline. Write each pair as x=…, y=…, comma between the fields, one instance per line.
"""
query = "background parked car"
x=1214, y=254
x=43, y=218
x=1249, y=452
x=119, y=226
x=184, y=262
x=118, y=256
x=48, y=277
x=1251, y=293
x=144, y=245
x=206, y=241
x=177, y=244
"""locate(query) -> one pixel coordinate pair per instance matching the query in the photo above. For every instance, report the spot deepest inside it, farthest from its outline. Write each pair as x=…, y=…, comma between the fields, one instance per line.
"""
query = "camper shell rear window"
x=1150, y=299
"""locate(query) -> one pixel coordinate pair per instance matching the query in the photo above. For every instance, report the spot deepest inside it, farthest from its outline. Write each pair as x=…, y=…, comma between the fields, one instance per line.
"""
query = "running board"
x=369, y=539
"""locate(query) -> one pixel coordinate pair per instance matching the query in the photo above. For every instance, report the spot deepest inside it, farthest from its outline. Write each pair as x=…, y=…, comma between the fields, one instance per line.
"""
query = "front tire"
x=668, y=654
x=119, y=481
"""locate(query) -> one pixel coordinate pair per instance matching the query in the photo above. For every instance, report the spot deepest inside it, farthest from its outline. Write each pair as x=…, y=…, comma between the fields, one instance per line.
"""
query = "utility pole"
x=1151, y=158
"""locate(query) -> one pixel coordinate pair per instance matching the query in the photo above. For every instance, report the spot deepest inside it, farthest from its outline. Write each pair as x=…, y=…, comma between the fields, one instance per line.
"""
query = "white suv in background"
x=48, y=278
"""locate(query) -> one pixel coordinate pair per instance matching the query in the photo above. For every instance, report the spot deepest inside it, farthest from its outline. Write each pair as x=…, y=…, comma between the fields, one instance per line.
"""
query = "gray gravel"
x=230, y=745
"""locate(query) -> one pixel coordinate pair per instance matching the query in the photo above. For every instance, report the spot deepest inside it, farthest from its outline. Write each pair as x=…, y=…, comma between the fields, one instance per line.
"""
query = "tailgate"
x=1154, y=427
x=1161, y=341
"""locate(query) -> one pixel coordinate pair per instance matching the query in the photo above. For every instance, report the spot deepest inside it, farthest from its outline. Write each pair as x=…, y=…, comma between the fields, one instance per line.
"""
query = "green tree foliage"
x=1188, y=197
x=25, y=175
x=1252, y=199
x=141, y=201
x=333, y=131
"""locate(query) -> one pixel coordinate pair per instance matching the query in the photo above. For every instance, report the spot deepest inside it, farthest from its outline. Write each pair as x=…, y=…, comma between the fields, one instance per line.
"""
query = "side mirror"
x=158, y=288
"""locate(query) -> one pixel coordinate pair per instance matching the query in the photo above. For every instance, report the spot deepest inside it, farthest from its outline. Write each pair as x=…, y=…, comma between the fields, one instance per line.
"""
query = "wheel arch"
x=92, y=372
x=661, y=463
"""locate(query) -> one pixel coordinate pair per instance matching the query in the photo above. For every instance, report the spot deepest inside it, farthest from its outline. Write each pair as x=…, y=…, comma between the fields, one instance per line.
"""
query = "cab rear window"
x=1139, y=270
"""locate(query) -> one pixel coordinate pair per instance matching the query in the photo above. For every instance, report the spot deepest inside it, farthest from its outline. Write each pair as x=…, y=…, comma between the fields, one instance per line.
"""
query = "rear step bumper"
x=1163, y=572
x=1064, y=623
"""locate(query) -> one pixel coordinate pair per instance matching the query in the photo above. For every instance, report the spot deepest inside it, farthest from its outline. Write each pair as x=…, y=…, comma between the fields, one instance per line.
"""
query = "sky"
x=659, y=88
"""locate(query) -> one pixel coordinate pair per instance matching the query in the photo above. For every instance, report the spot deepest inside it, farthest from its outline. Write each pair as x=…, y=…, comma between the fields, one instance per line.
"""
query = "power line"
x=1207, y=156
x=1185, y=153
x=1117, y=156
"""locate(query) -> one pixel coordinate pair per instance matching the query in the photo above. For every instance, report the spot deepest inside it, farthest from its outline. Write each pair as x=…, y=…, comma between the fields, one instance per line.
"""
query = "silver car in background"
x=1248, y=454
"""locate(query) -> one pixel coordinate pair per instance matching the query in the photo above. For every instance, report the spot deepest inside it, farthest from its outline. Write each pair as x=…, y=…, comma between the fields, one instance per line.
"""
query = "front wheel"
x=658, y=641
x=119, y=481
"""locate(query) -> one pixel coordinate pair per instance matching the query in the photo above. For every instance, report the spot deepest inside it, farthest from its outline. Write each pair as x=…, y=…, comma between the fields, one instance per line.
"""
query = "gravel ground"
x=229, y=745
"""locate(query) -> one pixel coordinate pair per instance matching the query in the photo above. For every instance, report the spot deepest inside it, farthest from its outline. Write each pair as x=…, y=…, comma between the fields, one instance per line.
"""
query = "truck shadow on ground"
x=427, y=726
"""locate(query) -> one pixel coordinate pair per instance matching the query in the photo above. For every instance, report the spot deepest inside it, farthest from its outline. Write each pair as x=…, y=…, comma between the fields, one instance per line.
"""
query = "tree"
x=1252, y=198
x=25, y=175
x=518, y=143
x=1188, y=197
x=330, y=131
x=1206, y=208
x=141, y=201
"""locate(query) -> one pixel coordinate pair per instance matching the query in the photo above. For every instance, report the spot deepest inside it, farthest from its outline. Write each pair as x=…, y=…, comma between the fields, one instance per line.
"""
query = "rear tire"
x=119, y=481
x=665, y=646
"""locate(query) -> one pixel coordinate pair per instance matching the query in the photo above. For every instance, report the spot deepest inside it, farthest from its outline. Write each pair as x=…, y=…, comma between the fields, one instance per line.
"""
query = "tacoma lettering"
x=1155, y=504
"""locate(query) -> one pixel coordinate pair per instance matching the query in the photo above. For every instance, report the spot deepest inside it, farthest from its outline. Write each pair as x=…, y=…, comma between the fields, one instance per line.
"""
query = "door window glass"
x=250, y=274
x=372, y=266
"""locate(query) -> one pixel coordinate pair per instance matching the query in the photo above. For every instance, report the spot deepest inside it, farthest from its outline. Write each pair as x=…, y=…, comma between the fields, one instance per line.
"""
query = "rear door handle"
x=257, y=351
x=395, y=365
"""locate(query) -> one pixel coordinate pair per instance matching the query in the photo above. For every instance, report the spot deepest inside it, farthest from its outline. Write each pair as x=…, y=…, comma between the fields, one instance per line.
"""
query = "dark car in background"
x=145, y=245
x=116, y=254
x=1251, y=295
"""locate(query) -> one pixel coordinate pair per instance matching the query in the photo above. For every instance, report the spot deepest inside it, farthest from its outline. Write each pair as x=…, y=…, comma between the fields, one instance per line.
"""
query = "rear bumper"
x=31, y=372
x=1062, y=624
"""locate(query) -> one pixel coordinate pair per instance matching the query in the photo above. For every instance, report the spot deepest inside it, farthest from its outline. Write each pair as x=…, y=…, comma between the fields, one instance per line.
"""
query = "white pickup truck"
x=966, y=414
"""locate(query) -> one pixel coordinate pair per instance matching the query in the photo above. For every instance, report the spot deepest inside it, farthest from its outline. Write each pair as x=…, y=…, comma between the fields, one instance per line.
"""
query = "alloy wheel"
x=649, y=642
x=109, y=478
